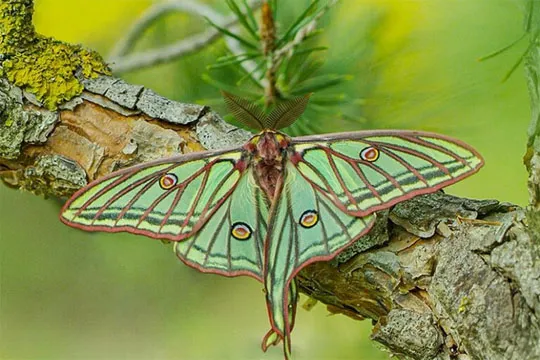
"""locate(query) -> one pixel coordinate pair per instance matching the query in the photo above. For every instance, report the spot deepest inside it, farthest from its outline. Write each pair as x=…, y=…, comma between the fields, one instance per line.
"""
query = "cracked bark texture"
x=440, y=277
x=456, y=279
x=111, y=125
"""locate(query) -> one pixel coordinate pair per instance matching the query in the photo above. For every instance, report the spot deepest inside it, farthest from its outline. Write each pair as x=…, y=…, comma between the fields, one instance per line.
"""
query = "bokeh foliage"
x=406, y=64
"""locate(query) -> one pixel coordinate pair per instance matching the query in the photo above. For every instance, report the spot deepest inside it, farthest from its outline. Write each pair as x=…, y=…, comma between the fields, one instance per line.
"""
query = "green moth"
x=276, y=204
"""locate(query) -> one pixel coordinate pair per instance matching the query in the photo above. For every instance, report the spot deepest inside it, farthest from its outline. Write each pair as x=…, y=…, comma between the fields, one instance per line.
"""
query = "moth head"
x=251, y=115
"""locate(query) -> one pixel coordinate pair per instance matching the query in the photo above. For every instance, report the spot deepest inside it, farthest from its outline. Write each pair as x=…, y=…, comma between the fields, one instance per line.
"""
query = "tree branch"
x=110, y=125
x=441, y=277
x=121, y=62
x=152, y=14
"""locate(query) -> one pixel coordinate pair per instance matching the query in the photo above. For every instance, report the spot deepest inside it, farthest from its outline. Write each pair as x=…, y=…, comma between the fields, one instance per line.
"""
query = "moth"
x=276, y=204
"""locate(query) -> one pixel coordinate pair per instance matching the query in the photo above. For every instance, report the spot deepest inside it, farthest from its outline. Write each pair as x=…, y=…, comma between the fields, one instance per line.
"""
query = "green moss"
x=42, y=66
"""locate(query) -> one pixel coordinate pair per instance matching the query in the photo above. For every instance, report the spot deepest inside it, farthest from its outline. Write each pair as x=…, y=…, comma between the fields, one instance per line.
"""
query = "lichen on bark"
x=20, y=125
x=468, y=289
x=41, y=65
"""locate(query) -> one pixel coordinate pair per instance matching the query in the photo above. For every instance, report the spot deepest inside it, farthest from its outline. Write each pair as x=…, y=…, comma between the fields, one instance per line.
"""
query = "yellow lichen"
x=42, y=66
x=465, y=302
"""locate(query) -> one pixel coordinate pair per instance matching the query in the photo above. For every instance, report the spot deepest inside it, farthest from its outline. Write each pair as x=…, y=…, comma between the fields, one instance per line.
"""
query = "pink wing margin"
x=132, y=199
x=364, y=196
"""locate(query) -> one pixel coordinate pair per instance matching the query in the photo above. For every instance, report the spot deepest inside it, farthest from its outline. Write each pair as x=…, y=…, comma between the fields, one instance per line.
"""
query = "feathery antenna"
x=251, y=115
x=286, y=113
x=244, y=111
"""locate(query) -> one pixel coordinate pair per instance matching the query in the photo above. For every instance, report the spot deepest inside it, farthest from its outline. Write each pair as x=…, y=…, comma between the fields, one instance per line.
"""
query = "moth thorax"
x=268, y=147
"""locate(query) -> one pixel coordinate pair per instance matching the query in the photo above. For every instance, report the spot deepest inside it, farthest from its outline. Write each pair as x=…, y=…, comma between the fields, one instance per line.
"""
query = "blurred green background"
x=66, y=294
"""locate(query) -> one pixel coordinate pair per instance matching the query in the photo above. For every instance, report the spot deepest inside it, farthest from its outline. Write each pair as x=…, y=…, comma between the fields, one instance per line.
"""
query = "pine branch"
x=287, y=50
x=268, y=42
x=277, y=50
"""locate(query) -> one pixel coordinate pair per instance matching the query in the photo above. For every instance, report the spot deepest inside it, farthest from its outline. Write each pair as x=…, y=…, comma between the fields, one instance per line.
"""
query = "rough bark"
x=110, y=125
x=441, y=277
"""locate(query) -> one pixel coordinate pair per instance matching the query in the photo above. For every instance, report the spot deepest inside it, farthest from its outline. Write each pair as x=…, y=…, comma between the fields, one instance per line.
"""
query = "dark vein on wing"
x=258, y=239
x=341, y=181
x=126, y=208
x=218, y=188
x=363, y=177
x=124, y=191
x=404, y=163
x=323, y=179
x=152, y=206
x=278, y=244
x=295, y=238
x=384, y=173
x=195, y=202
x=409, y=151
x=160, y=198
x=97, y=195
x=176, y=200
x=166, y=193
x=229, y=236
x=427, y=144
x=214, y=238
x=127, y=189
x=337, y=219
x=326, y=240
